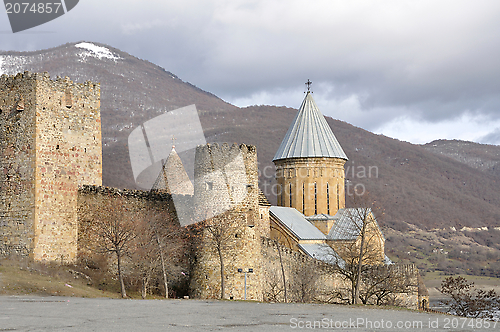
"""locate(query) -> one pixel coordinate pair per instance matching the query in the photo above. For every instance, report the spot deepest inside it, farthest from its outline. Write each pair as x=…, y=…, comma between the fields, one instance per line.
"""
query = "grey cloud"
x=428, y=60
x=491, y=138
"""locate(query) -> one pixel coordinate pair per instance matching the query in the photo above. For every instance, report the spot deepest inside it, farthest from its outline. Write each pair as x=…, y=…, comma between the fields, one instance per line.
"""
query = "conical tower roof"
x=173, y=177
x=309, y=135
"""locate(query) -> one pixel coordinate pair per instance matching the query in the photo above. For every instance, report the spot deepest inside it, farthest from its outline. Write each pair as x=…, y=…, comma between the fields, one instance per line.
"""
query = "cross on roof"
x=308, y=83
x=173, y=141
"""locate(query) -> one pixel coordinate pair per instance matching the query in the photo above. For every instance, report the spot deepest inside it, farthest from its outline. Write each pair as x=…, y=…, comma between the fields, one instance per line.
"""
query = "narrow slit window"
x=250, y=218
x=338, y=202
x=68, y=99
x=290, y=193
x=315, y=198
x=327, y=198
x=282, y=203
x=303, y=198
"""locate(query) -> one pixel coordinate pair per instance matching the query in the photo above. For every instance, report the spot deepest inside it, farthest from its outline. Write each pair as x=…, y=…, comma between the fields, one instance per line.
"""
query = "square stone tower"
x=50, y=143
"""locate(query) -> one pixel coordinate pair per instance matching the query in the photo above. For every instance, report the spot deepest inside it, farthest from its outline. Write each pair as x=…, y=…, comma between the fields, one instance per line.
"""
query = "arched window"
x=315, y=198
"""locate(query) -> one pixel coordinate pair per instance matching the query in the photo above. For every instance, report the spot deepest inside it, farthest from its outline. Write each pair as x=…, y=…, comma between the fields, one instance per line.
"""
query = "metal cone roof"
x=309, y=135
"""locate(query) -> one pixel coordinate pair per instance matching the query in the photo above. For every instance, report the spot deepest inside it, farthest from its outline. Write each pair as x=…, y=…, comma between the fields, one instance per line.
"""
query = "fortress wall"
x=307, y=279
x=311, y=280
x=226, y=177
x=240, y=251
x=264, y=224
x=17, y=158
x=102, y=204
x=413, y=299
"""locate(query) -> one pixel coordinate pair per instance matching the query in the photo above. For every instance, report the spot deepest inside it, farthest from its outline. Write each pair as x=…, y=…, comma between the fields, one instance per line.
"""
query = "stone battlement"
x=58, y=83
x=115, y=192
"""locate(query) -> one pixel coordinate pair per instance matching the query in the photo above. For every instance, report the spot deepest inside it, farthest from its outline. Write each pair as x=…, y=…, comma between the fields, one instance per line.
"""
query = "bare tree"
x=304, y=286
x=381, y=282
x=144, y=257
x=274, y=285
x=169, y=240
x=159, y=243
x=467, y=302
x=278, y=247
x=220, y=231
x=115, y=230
x=361, y=245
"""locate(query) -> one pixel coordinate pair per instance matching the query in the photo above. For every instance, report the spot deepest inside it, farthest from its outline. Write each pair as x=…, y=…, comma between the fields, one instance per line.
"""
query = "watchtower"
x=50, y=143
x=226, y=193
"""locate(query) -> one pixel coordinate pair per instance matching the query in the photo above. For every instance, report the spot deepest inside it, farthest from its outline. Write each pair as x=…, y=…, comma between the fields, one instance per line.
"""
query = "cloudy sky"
x=414, y=70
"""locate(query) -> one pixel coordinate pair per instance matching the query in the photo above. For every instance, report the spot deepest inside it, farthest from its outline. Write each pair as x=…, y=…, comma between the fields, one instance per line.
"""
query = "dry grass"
x=19, y=276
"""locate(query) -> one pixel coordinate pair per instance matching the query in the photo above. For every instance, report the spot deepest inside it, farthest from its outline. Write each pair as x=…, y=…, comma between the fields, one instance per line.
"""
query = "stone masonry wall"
x=17, y=161
x=241, y=251
x=51, y=143
x=307, y=279
x=96, y=203
x=412, y=300
x=311, y=280
x=68, y=154
x=226, y=189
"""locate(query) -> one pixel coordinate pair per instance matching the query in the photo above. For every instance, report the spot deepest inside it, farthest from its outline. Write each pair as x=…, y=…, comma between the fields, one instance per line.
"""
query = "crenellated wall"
x=98, y=204
x=310, y=280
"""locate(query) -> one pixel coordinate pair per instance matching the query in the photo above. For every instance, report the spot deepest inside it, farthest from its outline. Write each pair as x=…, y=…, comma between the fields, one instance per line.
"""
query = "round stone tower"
x=310, y=165
x=226, y=196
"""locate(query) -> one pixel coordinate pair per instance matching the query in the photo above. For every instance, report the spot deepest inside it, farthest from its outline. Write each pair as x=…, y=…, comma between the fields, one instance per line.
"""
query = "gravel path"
x=29, y=313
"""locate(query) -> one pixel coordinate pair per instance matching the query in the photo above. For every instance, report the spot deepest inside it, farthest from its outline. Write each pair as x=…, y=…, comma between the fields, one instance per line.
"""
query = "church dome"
x=309, y=135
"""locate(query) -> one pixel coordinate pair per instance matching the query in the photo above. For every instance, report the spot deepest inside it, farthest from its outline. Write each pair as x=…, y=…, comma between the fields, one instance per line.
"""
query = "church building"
x=311, y=215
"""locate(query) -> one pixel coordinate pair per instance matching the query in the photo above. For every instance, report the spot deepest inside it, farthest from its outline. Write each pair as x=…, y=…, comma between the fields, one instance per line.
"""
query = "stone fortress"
x=51, y=177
